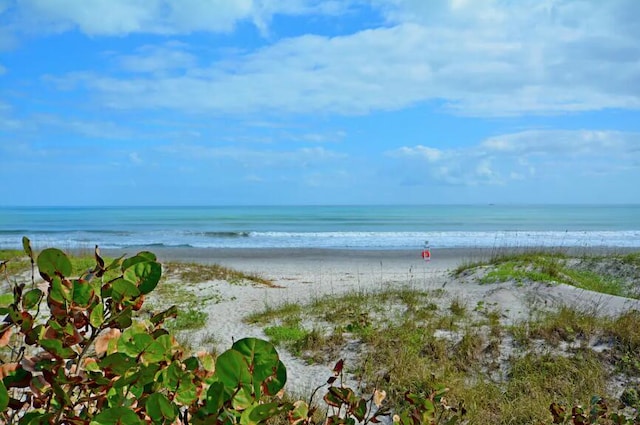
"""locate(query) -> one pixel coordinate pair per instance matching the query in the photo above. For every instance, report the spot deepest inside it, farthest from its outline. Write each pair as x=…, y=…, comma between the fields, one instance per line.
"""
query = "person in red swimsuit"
x=426, y=252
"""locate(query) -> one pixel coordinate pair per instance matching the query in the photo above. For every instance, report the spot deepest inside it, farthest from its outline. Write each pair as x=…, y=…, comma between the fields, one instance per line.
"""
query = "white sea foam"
x=348, y=240
x=351, y=227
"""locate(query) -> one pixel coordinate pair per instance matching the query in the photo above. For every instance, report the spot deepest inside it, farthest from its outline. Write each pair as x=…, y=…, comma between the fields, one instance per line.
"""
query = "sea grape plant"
x=73, y=351
x=598, y=412
x=345, y=407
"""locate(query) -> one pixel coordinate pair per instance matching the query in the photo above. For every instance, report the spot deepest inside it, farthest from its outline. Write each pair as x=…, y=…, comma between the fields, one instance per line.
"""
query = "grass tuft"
x=195, y=273
x=188, y=319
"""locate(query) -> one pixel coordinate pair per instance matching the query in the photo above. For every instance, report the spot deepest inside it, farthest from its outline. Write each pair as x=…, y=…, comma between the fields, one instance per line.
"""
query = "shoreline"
x=440, y=256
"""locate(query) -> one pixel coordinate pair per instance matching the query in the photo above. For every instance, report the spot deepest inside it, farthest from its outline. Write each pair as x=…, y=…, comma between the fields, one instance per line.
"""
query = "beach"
x=313, y=255
x=493, y=324
x=301, y=276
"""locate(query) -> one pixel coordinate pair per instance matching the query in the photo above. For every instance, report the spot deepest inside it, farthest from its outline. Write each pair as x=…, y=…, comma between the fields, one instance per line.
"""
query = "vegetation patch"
x=13, y=261
x=188, y=319
x=412, y=340
x=195, y=273
x=16, y=262
x=590, y=273
x=270, y=313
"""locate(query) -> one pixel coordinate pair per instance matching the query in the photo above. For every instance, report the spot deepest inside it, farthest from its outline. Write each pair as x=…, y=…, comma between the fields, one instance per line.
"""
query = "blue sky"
x=218, y=102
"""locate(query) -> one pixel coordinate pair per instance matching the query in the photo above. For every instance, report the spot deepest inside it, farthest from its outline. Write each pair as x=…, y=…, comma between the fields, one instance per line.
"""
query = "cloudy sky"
x=218, y=102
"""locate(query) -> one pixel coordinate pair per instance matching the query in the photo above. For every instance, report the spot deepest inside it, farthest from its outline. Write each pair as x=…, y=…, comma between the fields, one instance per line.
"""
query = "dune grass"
x=553, y=267
x=15, y=261
x=195, y=272
x=406, y=339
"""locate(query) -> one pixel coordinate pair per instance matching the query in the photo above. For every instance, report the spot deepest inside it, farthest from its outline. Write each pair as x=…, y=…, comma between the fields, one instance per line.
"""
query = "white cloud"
x=430, y=154
x=564, y=142
x=90, y=129
x=484, y=58
x=516, y=59
x=250, y=158
x=122, y=17
x=519, y=156
x=96, y=17
x=158, y=59
x=134, y=157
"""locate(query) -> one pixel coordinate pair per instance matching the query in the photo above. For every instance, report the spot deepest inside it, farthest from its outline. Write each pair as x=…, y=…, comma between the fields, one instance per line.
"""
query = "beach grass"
x=15, y=261
x=555, y=267
x=410, y=340
x=188, y=318
x=196, y=272
x=269, y=313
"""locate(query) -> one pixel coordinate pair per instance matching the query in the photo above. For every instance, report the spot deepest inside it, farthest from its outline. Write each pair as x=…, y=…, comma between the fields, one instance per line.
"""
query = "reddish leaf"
x=6, y=369
x=102, y=341
x=6, y=336
x=337, y=369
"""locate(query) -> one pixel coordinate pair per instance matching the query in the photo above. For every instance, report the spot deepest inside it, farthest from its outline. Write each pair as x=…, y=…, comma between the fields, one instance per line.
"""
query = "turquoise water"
x=360, y=227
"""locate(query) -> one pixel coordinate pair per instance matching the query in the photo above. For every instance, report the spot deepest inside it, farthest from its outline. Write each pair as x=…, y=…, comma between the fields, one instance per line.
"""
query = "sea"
x=339, y=227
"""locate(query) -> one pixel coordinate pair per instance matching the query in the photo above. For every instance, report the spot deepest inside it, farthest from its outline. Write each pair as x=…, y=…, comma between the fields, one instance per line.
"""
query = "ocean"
x=347, y=227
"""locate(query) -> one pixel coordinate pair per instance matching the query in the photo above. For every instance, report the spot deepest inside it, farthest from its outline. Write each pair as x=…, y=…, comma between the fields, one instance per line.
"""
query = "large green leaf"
x=123, y=289
x=215, y=397
x=260, y=413
x=160, y=408
x=244, y=418
x=134, y=341
x=59, y=292
x=158, y=318
x=4, y=397
x=145, y=275
x=55, y=347
x=276, y=382
x=119, y=363
x=52, y=261
x=26, y=245
x=31, y=298
x=117, y=416
x=83, y=293
x=260, y=354
x=187, y=391
x=243, y=398
x=232, y=370
x=158, y=350
x=359, y=409
x=96, y=318
x=172, y=375
x=141, y=257
x=6, y=300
